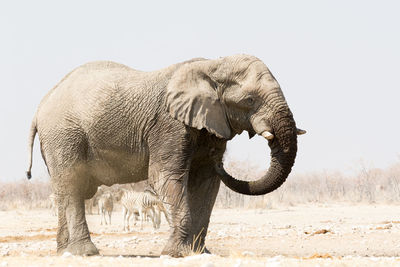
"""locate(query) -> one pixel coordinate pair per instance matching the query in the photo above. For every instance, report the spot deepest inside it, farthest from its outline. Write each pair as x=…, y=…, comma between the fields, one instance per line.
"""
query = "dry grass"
x=34, y=194
x=194, y=248
x=24, y=194
x=367, y=186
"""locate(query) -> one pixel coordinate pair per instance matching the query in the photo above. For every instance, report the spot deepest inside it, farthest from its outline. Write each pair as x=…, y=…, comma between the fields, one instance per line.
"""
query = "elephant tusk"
x=267, y=135
x=300, y=131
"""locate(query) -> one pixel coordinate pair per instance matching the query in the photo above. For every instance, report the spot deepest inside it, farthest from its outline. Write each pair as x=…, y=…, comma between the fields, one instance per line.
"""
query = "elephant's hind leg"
x=66, y=160
x=79, y=242
x=62, y=231
x=73, y=233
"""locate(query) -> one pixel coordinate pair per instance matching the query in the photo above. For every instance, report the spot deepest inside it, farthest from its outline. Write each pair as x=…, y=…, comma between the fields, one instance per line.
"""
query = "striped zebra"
x=158, y=209
x=141, y=204
x=106, y=205
x=53, y=204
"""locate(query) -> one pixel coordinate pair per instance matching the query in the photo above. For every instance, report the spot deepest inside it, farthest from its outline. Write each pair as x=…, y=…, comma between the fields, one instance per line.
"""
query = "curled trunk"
x=283, y=153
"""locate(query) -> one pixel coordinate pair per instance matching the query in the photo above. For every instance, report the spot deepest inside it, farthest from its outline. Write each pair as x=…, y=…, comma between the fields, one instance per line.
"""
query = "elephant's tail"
x=31, y=140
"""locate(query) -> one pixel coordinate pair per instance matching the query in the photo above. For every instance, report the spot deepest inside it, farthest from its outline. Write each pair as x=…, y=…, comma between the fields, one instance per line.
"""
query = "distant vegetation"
x=367, y=186
x=24, y=194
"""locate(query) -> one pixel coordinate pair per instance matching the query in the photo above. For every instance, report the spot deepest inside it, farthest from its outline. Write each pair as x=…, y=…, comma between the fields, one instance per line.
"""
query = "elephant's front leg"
x=173, y=194
x=203, y=186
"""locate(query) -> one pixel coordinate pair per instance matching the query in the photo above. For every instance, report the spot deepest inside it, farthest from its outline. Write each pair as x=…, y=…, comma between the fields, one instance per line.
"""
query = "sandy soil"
x=324, y=235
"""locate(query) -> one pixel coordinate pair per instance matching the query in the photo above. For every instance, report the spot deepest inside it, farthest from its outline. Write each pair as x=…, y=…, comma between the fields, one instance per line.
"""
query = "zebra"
x=53, y=204
x=92, y=202
x=158, y=209
x=89, y=204
x=106, y=205
x=141, y=204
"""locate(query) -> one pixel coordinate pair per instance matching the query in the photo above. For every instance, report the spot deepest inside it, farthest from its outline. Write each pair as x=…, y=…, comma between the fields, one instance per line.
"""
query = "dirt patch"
x=387, y=222
x=8, y=239
x=318, y=256
x=318, y=232
x=385, y=227
x=54, y=229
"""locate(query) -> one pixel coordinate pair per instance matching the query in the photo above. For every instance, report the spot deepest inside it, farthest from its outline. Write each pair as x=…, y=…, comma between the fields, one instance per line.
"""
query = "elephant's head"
x=232, y=94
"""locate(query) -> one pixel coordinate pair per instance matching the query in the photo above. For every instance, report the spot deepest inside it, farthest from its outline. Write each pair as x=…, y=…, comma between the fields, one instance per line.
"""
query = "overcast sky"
x=338, y=64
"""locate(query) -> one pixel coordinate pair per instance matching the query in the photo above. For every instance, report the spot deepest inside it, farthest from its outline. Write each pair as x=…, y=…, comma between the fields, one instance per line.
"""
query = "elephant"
x=105, y=123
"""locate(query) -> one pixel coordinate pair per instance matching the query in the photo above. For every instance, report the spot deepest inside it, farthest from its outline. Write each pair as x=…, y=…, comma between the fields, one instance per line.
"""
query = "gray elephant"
x=105, y=123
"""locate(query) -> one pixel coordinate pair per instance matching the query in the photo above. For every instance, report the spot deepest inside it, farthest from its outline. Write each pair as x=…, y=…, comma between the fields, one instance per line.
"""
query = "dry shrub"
x=24, y=194
x=34, y=194
x=368, y=185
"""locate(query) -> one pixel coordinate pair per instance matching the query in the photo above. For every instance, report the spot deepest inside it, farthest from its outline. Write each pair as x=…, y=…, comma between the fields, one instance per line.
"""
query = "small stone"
x=4, y=252
x=208, y=264
x=248, y=253
x=165, y=257
x=66, y=254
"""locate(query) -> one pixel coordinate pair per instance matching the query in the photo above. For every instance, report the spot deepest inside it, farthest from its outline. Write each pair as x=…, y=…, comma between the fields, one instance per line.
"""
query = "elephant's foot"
x=84, y=248
x=62, y=248
x=183, y=250
x=175, y=251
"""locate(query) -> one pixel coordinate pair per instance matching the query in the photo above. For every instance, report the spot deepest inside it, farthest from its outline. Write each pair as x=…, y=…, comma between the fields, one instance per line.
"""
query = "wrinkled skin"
x=106, y=123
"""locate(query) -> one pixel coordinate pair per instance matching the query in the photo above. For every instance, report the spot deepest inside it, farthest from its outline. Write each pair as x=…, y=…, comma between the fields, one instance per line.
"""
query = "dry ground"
x=319, y=235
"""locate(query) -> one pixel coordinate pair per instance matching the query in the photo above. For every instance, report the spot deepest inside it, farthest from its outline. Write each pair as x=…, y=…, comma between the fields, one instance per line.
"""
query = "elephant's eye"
x=250, y=101
x=247, y=103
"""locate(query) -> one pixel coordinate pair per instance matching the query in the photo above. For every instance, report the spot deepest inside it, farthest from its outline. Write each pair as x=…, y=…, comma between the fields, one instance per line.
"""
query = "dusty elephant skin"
x=106, y=123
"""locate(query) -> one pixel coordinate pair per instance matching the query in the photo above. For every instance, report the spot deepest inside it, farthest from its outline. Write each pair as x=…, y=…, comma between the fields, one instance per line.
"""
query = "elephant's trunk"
x=283, y=152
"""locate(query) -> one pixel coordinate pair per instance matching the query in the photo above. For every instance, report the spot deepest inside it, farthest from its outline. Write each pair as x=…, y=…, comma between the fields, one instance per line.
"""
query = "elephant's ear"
x=192, y=99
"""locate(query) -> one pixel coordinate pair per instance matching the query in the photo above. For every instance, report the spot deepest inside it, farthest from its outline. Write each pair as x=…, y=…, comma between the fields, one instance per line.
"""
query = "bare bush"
x=368, y=185
x=24, y=194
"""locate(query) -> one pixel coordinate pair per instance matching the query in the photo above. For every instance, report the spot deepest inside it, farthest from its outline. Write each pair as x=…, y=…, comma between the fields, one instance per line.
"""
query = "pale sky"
x=338, y=63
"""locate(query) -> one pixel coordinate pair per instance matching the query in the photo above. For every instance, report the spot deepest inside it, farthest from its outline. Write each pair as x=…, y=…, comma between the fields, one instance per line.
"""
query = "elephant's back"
x=80, y=78
x=96, y=101
x=84, y=87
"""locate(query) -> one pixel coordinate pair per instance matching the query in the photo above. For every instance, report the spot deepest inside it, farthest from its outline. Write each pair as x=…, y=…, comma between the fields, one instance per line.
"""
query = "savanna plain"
x=318, y=219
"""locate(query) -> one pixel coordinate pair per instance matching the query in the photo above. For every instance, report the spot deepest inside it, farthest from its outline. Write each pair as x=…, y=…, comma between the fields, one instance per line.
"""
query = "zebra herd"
x=142, y=204
x=137, y=205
